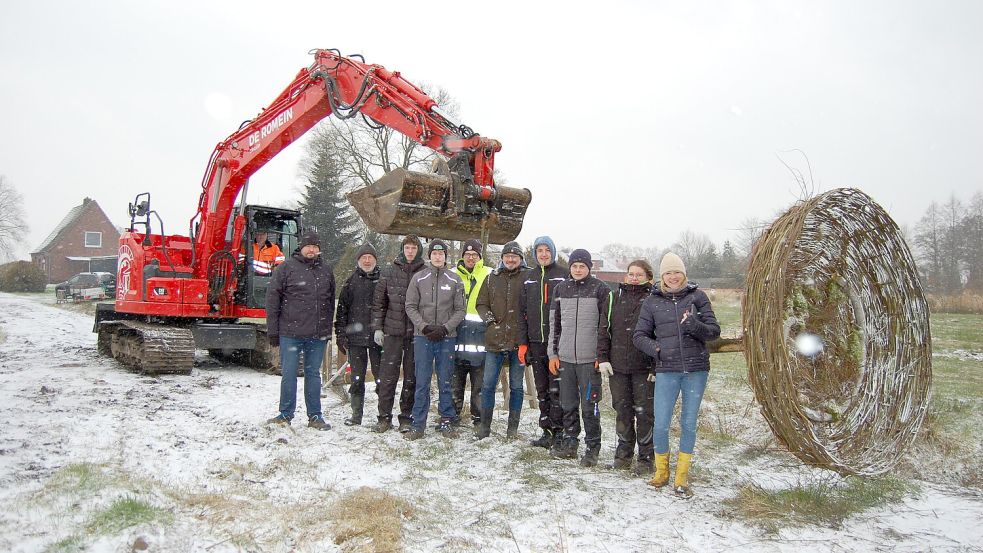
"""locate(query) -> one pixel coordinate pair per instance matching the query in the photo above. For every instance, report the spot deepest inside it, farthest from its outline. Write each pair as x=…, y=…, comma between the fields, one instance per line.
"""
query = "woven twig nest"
x=836, y=332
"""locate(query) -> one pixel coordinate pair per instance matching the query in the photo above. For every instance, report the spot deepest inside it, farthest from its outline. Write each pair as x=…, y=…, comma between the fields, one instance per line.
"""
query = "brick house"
x=85, y=241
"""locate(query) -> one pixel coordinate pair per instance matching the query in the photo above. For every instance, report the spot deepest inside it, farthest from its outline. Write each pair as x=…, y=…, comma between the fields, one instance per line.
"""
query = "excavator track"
x=148, y=348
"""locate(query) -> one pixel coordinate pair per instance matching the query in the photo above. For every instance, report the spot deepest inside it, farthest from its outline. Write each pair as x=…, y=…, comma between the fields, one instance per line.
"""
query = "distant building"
x=85, y=241
x=608, y=270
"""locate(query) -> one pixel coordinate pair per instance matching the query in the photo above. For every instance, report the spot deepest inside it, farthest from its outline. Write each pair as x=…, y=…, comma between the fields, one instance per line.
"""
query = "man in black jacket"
x=533, y=334
x=353, y=327
x=393, y=330
x=299, y=311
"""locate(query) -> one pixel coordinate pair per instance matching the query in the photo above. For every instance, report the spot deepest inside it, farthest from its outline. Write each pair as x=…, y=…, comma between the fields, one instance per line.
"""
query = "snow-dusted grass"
x=82, y=433
x=815, y=502
x=382, y=530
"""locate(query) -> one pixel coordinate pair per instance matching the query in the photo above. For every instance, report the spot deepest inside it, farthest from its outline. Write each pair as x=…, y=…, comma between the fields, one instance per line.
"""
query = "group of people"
x=464, y=322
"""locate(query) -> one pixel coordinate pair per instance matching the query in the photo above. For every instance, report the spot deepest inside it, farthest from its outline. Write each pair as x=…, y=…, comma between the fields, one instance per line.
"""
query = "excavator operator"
x=266, y=254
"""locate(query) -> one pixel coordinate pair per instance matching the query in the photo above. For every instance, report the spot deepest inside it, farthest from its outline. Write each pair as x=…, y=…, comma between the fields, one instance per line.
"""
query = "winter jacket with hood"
x=498, y=306
x=435, y=297
x=353, y=321
x=579, y=319
x=389, y=301
x=537, y=292
x=300, y=298
x=675, y=346
x=623, y=355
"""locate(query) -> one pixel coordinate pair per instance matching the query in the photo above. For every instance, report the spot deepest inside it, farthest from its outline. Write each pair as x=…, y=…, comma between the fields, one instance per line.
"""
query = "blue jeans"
x=668, y=387
x=493, y=367
x=428, y=355
x=290, y=349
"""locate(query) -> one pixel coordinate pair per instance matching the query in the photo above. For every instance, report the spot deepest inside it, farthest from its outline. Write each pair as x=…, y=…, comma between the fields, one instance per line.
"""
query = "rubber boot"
x=513, y=430
x=484, y=425
x=681, y=485
x=661, y=475
x=358, y=401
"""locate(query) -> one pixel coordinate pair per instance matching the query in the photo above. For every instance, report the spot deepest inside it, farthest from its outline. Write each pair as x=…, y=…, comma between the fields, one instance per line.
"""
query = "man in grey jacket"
x=435, y=305
x=579, y=320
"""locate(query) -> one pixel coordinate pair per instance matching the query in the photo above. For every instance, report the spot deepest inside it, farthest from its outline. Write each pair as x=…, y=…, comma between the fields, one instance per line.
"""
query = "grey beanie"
x=512, y=247
x=581, y=256
x=366, y=249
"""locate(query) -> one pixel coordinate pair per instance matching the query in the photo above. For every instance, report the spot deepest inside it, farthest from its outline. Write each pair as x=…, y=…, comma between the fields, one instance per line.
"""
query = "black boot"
x=565, y=448
x=590, y=456
x=513, y=430
x=358, y=401
x=545, y=441
x=644, y=466
x=623, y=463
x=484, y=425
x=384, y=425
x=623, y=456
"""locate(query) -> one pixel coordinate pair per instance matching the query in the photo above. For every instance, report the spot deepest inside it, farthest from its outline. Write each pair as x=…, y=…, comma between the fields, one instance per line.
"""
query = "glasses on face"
x=471, y=254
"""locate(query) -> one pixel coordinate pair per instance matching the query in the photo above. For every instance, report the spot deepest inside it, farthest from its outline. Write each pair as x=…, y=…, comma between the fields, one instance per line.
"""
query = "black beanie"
x=581, y=256
x=512, y=247
x=436, y=245
x=366, y=249
x=310, y=239
x=473, y=245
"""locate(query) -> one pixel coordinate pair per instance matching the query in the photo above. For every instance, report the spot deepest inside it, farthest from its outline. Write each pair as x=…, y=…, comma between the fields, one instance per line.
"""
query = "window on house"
x=93, y=239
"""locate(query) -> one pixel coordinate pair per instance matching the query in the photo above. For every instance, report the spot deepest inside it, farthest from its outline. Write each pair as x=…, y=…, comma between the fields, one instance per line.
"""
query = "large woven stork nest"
x=837, y=335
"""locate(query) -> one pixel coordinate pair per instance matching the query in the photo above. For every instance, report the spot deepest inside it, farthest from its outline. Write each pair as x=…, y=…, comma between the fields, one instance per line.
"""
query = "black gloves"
x=342, y=342
x=435, y=333
x=274, y=340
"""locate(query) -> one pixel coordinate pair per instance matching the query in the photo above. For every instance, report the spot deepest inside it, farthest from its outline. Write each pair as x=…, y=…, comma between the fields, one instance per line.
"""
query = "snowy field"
x=81, y=433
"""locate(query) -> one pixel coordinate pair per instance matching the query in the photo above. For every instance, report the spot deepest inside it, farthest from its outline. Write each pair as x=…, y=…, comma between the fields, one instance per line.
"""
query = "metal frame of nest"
x=836, y=267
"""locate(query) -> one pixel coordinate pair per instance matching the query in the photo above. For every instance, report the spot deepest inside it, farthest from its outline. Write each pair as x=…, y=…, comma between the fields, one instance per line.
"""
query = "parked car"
x=84, y=284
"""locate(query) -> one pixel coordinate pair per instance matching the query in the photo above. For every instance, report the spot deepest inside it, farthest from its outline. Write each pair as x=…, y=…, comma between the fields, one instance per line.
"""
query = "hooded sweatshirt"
x=537, y=293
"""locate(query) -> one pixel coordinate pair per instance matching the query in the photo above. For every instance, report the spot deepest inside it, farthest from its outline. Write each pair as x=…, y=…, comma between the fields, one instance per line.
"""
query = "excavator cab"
x=444, y=203
x=280, y=229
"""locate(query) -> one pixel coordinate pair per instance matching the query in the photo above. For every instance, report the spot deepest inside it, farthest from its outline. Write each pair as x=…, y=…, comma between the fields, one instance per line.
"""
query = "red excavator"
x=176, y=293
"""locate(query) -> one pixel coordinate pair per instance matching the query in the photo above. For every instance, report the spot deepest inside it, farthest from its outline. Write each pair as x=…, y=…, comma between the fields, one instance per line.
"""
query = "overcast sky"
x=628, y=121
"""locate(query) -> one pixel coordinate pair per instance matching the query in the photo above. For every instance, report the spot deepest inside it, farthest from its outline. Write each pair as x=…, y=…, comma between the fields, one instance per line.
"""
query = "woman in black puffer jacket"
x=673, y=327
x=628, y=371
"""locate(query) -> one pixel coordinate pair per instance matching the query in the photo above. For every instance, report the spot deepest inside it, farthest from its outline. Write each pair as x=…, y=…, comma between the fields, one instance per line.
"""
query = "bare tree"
x=952, y=245
x=367, y=151
x=749, y=231
x=697, y=251
x=928, y=240
x=619, y=252
x=12, y=225
x=972, y=246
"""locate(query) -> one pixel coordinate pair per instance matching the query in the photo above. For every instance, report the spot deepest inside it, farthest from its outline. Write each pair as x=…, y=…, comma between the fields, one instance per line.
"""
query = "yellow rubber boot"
x=681, y=485
x=661, y=475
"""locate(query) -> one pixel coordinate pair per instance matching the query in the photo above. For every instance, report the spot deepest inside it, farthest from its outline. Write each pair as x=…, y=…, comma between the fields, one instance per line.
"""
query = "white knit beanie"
x=671, y=262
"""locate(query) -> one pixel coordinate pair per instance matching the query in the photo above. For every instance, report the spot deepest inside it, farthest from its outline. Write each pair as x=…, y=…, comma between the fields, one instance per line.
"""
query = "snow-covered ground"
x=195, y=447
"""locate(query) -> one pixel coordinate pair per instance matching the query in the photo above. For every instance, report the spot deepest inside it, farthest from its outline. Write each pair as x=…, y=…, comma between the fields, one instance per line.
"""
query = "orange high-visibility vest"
x=265, y=258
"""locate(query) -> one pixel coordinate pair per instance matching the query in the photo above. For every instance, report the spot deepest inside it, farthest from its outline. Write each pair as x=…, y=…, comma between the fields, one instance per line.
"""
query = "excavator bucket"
x=437, y=205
